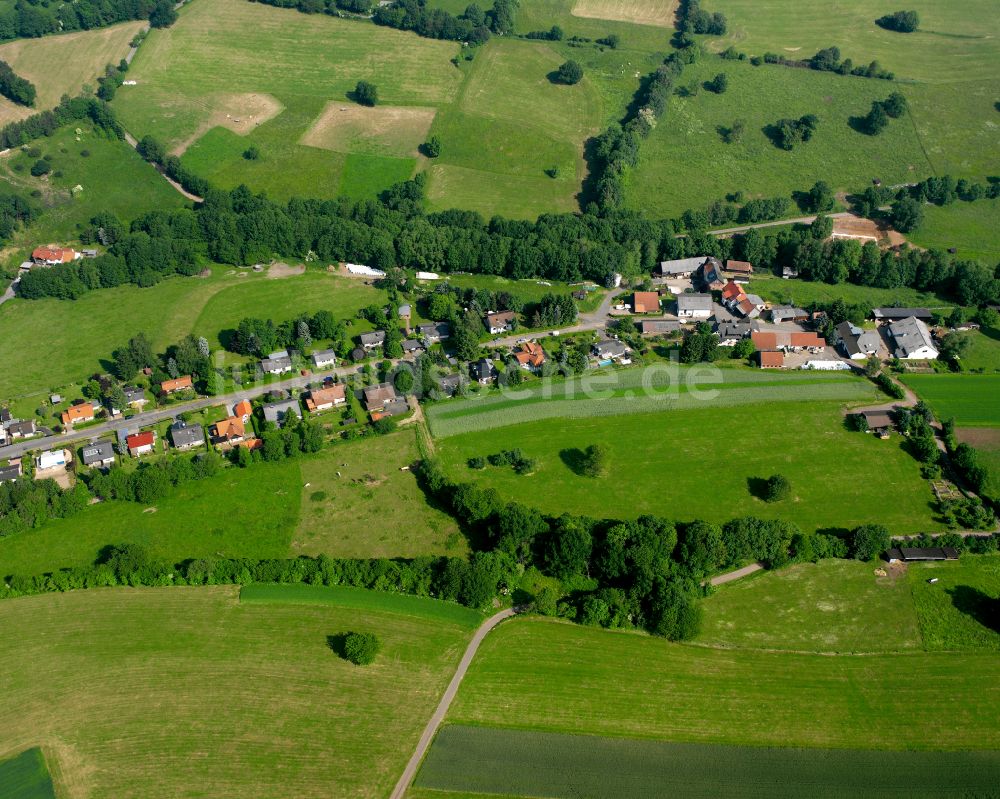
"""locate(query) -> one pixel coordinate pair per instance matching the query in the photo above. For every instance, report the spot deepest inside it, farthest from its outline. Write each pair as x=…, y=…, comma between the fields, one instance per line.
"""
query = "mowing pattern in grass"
x=971, y=400
x=635, y=391
x=357, y=502
x=959, y=611
x=149, y=692
x=682, y=465
x=830, y=606
x=520, y=762
x=559, y=677
x=59, y=65
x=26, y=776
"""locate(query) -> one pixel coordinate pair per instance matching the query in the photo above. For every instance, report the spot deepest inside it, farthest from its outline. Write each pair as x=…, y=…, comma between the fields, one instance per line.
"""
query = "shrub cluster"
x=900, y=21
x=14, y=87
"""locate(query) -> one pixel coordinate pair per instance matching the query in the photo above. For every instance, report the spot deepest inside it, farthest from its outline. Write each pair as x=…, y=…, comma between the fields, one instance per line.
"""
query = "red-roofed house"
x=243, y=410
x=530, y=356
x=742, y=269
x=228, y=431
x=646, y=302
x=140, y=443
x=770, y=360
x=84, y=412
x=806, y=340
x=52, y=256
x=177, y=384
x=731, y=292
x=764, y=340
x=323, y=399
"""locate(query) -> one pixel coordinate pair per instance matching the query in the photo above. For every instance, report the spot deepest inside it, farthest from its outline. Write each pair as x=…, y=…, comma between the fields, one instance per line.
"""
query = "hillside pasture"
x=972, y=228
x=557, y=677
x=63, y=64
x=958, y=612
x=677, y=464
x=487, y=760
x=116, y=684
x=971, y=400
x=829, y=606
x=641, y=12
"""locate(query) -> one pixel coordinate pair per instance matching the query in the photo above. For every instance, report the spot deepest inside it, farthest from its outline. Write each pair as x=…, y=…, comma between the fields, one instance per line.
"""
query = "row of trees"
x=15, y=213
x=828, y=60
x=29, y=19
x=474, y=25
x=14, y=87
x=45, y=123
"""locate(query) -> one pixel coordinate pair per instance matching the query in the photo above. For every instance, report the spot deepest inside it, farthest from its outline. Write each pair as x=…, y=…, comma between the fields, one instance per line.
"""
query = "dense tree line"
x=15, y=213
x=552, y=310
x=258, y=337
x=46, y=123
x=15, y=88
x=825, y=60
x=154, y=152
x=692, y=18
x=26, y=504
x=29, y=19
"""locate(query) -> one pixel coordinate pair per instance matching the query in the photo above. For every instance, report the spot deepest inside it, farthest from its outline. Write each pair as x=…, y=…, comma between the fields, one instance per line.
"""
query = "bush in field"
x=900, y=21
x=366, y=93
x=569, y=73
x=778, y=488
x=361, y=648
x=718, y=84
x=594, y=462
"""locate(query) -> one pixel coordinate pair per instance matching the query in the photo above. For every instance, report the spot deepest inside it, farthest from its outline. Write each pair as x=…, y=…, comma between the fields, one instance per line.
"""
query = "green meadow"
x=155, y=691
x=805, y=292
x=958, y=612
x=557, y=677
x=526, y=763
x=972, y=228
x=25, y=776
x=971, y=400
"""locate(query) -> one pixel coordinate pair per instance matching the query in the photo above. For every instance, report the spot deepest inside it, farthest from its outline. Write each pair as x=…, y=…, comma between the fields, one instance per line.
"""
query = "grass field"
x=958, y=611
x=25, y=776
x=59, y=65
x=166, y=313
x=686, y=148
x=527, y=763
x=805, y=292
x=112, y=176
x=971, y=228
x=557, y=677
x=702, y=463
x=830, y=606
x=971, y=400
x=983, y=354
x=272, y=510
x=357, y=503
x=186, y=691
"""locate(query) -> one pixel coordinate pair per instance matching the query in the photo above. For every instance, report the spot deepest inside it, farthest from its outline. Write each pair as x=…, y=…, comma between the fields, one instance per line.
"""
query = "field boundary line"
x=403, y=785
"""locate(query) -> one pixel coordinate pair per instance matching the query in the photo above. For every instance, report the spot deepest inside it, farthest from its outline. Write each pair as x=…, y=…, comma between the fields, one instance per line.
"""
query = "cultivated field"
x=272, y=510
x=25, y=776
x=641, y=12
x=153, y=691
x=358, y=503
x=59, y=65
x=557, y=677
x=704, y=464
x=971, y=400
x=830, y=606
x=526, y=763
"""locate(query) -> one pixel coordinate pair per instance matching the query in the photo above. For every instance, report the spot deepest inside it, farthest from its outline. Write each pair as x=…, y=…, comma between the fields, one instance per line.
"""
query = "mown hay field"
x=527, y=763
x=971, y=400
x=59, y=65
x=558, y=677
x=641, y=12
x=705, y=464
x=149, y=692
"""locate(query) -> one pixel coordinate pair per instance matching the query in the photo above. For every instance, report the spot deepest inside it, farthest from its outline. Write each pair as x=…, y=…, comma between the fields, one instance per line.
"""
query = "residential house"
x=711, y=275
x=373, y=340
x=645, y=302
x=394, y=408
x=899, y=314
x=649, y=327
x=243, y=410
x=680, y=267
x=134, y=396
x=324, y=359
x=51, y=459
x=858, y=344
x=450, y=384
x=749, y=306
x=500, y=321
x=787, y=340
x=10, y=473
x=140, y=443
x=740, y=271
x=787, y=313
x=483, y=371
x=322, y=399
x=694, y=306
x=731, y=294
x=382, y=400
x=75, y=414
x=52, y=256
x=177, y=384
x=530, y=355
x=434, y=332
x=98, y=454
x=731, y=333
x=276, y=363
x=769, y=359
x=610, y=350
x=412, y=346
x=912, y=340
x=186, y=436
x=280, y=410
x=21, y=429
x=228, y=431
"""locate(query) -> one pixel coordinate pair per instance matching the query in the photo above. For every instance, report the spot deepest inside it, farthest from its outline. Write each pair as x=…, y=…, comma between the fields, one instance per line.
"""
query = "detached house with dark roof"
x=373, y=340
x=186, y=436
x=278, y=412
x=276, y=363
x=858, y=344
x=483, y=371
x=98, y=454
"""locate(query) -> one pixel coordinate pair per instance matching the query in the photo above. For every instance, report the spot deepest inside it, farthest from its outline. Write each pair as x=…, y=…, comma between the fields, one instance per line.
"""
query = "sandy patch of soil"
x=278, y=270
x=384, y=130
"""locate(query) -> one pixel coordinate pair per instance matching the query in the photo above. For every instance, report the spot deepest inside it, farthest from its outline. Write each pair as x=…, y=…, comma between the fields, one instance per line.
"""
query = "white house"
x=52, y=458
x=324, y=359
x=913, y=340
x=694, y=306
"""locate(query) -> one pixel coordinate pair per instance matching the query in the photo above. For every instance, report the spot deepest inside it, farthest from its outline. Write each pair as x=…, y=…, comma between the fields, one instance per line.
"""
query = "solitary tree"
x=432, y=147
x=900, y=21
x=366, y=93
x=361, y=648
x=595, y=461
x=569, y=73
x=718, y=84
x=877, y=119
x=778, y=488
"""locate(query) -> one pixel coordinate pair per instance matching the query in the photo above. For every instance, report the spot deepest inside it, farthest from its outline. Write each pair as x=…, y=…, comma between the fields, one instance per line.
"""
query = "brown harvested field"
x=641, y=12
x=383, y=130
x=986, y=437
x=856, y=227
x=59, y=65
x=238, y=112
